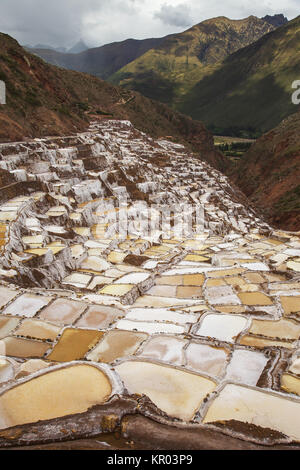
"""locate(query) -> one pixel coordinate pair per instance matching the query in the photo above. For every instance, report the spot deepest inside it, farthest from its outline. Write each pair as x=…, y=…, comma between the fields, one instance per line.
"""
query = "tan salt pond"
x=255, y=342
x=257, y=407
x=290, y=384
x=83, y=231
x=254, y=278
x=38, y=329
x=99, y=316
x=7, y=324
x=116, y=290
x=56, y=393
x=254, y=298
x=116, y=257
x=115, y=345
x=169, y=281
x=186, y=292
x=176, y=392
x=284, y=329
x=63, y=311
x=74, y=344
x=290, y=304
x=18, y=347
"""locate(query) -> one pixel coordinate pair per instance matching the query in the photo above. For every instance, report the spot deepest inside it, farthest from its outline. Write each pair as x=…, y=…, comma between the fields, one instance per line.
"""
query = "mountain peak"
x=276, y=20
x=80, y=46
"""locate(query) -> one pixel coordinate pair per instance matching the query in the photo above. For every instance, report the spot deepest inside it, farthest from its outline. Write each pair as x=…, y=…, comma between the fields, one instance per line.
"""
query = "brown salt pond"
x=19, y=347
x=74, y=344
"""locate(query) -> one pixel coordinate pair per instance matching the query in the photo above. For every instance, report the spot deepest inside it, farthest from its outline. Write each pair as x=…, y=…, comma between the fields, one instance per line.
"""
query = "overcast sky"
x=97, y=22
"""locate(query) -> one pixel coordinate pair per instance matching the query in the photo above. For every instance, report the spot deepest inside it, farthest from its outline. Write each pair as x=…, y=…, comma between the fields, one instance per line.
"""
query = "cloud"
x=97, y=22
x=179, y=15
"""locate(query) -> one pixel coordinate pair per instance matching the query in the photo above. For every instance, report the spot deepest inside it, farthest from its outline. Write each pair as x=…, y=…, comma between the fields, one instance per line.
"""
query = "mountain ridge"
x=44, y=100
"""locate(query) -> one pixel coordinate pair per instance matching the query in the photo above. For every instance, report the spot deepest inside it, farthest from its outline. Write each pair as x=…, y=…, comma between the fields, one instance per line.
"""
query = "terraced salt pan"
x=74, y=344
x=290, y=384
x=56, y=393
x=37, y=329
x=148, y=327
x=95, y=264
x=165, y=348
x=63, y=311
x=284, y=329
x=7, y=325
x=252, y=405
x=156, y=301
x=176, y=392
x=99, y=316
x=290, y=304
x=206, y=359
x=77, y=280
x=116, y=290
x=6, y=370
x=222, y=327
x=160, y=314
x=6, y=295
x=246, y=366
x=257, y=342
x=222, y=295
x=27, y=305
x=295, y=364
x=19, y=347
x=133, y=278
x=115, y=345
x=255, y=298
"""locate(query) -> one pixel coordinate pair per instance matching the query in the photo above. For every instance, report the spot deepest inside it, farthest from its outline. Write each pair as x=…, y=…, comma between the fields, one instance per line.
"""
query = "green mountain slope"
x=251, y=90
x=170, y=70
x=269, y=173
x=99, y=61
x=44, y=100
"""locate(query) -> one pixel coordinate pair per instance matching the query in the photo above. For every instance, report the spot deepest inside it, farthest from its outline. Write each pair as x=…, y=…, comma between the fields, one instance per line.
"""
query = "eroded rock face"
x=96, y=309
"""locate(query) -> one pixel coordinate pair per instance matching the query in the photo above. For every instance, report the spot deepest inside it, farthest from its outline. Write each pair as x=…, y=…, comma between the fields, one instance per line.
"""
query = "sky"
x=63, y=22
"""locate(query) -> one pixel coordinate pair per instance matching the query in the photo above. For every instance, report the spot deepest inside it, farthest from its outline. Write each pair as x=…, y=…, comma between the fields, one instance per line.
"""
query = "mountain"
x=100, y=61
x=206, y=42
x=276, y=20
x=45, y=100
x=250, y=92
x=269, y=173
x=169, y=71
x=47, y=47
x=80, y=46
